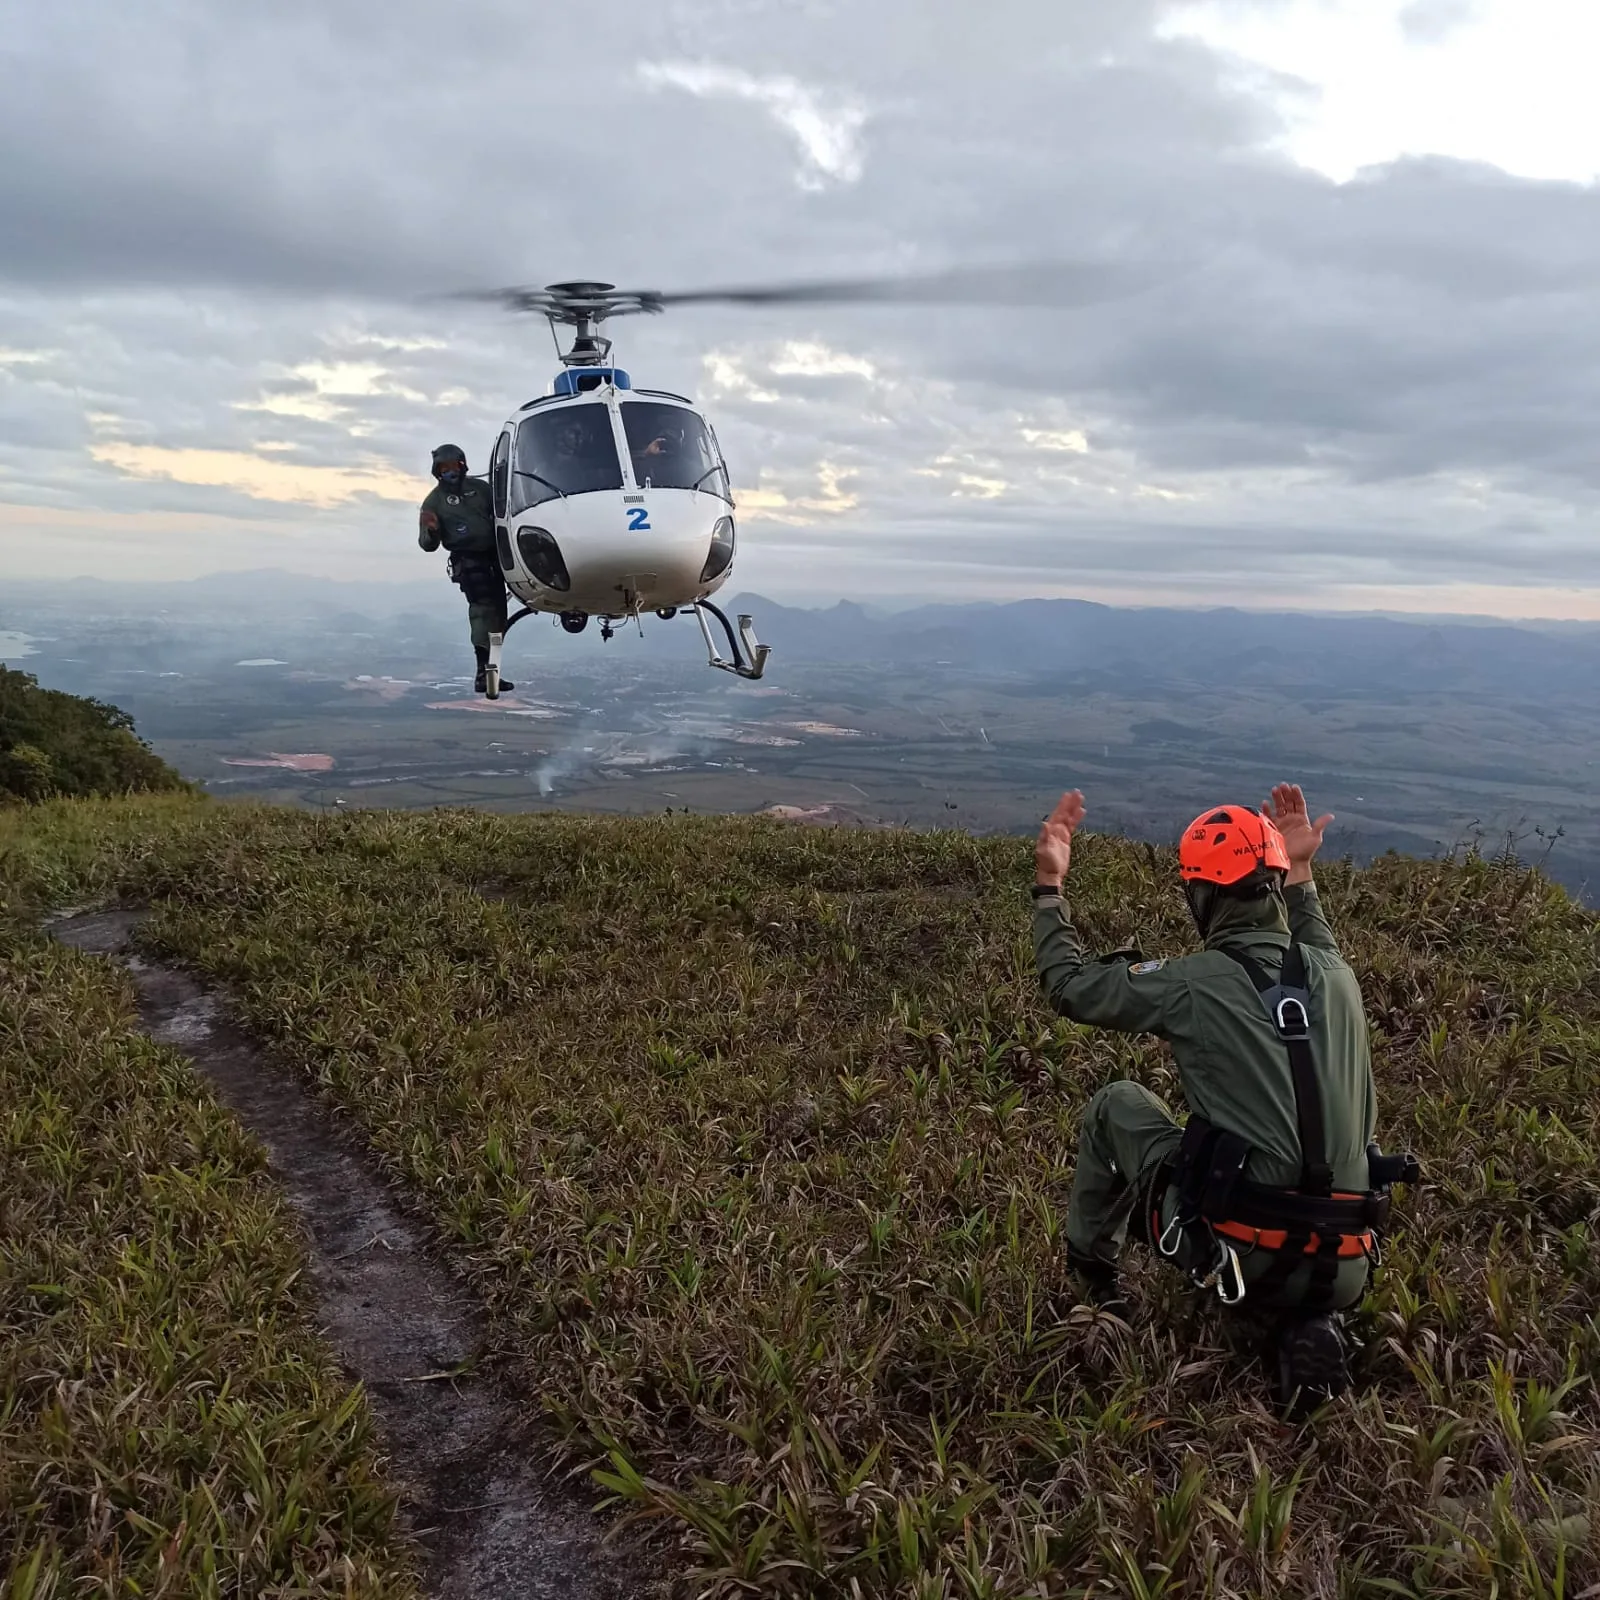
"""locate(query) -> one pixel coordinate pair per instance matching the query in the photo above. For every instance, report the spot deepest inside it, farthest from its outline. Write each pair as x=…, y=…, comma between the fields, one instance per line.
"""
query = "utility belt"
x=1219, y=1211
x=477, y=576
x=1220, y=1216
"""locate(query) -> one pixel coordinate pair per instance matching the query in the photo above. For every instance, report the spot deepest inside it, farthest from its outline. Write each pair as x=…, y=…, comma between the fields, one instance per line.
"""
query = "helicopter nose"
x=607, y=555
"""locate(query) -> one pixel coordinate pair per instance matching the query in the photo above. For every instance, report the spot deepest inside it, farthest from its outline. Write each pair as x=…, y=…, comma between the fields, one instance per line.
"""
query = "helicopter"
x=612, y=500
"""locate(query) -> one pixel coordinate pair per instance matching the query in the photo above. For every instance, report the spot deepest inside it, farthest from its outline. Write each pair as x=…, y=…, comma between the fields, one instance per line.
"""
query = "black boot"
x=481, y=682
x=1309, y=1364
x=1097, y=1284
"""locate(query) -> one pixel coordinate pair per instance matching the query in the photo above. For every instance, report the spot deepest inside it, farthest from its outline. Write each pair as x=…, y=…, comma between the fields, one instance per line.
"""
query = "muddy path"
x=480, y=1499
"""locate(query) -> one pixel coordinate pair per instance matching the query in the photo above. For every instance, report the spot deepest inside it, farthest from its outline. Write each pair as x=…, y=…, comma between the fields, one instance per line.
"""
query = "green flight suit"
x=1231, y=1064
x=463, y=522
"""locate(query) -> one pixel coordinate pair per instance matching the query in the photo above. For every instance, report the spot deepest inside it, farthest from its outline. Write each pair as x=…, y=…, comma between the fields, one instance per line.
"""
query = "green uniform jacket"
x=462, y=521
x=1233, y=1068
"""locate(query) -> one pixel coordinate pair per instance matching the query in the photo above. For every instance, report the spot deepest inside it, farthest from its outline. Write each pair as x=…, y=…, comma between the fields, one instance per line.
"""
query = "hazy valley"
x=1418, y=734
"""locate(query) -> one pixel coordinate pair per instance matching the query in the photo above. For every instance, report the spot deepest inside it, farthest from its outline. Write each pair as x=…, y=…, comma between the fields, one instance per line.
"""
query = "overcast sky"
x=1357, y=362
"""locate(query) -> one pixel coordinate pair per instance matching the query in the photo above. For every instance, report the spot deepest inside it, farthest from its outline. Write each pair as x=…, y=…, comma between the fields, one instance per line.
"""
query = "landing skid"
x=750, y=662
x=746, y=658
x=491, y=672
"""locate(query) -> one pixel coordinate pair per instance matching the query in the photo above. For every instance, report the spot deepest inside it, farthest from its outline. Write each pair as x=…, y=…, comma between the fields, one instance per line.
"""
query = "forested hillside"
x=54, y=744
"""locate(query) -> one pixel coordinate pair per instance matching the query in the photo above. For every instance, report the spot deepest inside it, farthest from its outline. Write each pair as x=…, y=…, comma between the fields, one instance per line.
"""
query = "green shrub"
x=62, y=744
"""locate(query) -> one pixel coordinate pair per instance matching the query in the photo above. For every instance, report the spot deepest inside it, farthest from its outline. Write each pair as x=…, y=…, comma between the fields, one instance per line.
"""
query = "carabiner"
x=1174, y=1232
x=1228, y=1267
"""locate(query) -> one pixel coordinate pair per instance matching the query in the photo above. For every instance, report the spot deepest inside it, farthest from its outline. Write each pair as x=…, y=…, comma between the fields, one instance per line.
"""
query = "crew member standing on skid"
x=1273, y=1194
x=459, y=514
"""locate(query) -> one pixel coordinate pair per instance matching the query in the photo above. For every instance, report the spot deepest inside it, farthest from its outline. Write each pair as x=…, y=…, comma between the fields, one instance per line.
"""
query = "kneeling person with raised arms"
x=1273, y=1192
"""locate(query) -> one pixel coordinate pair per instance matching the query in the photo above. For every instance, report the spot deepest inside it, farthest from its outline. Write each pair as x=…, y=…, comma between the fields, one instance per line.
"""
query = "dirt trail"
x=478, y=1496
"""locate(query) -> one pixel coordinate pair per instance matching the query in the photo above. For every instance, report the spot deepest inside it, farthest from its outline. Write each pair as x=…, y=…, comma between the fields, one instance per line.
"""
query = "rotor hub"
x=583, y=304
x=580, y=289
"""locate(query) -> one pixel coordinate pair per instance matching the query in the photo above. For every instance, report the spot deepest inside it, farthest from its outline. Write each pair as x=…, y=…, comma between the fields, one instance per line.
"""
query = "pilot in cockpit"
x=570, y=440
x=663, y=449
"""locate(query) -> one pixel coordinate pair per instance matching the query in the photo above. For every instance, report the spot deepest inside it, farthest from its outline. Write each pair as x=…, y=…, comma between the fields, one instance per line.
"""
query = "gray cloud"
x=1435, y=21
x=222, y=226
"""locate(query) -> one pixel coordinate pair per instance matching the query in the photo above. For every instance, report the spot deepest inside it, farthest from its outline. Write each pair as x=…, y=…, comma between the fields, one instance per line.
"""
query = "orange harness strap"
x=1350, y=1244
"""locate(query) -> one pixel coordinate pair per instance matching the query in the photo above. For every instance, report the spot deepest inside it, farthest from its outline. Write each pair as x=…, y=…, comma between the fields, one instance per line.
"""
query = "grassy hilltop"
x=757, y=1142
x=170, y=1424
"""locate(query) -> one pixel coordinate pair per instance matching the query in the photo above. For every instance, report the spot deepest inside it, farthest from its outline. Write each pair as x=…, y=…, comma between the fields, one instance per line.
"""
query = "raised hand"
x=1052, y=854
x=1302, y=837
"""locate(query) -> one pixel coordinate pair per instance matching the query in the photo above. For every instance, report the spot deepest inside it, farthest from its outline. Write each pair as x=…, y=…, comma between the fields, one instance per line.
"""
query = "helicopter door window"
x=671, y=447
x=571, y=450
x=500, y=472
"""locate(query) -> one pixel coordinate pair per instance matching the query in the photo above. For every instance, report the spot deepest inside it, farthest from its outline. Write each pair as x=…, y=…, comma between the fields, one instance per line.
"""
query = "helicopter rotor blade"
x=1047, y=284
x=1059, y=284
x=511, y=299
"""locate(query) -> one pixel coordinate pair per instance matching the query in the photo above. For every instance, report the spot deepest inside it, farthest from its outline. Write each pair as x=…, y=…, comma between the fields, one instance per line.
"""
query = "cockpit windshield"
x=571, y=450
x=672, y=448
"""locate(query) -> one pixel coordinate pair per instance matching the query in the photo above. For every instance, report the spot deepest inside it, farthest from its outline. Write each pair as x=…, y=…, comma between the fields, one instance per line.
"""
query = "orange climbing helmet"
x=1228, y=844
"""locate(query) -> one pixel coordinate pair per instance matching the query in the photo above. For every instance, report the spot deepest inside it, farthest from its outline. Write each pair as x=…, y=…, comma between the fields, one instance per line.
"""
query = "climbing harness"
x=477, y=577
x=1219, y=1211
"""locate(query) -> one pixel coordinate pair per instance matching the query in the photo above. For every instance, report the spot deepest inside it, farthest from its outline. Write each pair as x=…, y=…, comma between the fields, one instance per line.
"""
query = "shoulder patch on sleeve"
x=1147, y=966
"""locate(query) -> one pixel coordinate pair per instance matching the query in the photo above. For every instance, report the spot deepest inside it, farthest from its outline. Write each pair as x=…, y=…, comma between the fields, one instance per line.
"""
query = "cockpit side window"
x=500, y=473
x=670, y=447
x=570, y=450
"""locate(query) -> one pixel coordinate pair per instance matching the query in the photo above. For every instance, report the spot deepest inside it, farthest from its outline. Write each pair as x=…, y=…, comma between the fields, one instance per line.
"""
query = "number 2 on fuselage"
x=639, y=519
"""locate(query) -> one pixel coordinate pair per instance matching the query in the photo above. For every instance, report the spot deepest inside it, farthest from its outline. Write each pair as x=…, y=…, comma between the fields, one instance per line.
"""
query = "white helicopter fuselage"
x=583, y=527
x=625, y=551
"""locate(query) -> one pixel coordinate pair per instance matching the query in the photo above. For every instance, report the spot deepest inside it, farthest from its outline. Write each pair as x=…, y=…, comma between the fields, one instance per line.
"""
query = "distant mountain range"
x=1356, y=653
x=1350, y=653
